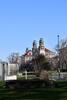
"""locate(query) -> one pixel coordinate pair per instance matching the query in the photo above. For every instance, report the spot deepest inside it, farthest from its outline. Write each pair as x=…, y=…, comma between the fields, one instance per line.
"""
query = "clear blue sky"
x=22, y=21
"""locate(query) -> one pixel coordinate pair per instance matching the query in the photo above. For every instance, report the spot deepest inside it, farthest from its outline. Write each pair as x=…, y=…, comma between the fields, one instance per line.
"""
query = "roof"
x=47, y=50
x=28, y=53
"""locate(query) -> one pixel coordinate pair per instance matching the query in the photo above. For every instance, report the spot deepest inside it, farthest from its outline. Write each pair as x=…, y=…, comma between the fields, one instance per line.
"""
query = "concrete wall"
x=12, y=69
x=7, y=69
x=2, y=70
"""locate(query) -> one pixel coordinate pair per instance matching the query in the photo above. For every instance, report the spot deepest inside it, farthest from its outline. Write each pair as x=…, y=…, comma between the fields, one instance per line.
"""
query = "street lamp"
x=58, y=45
x=58, y=57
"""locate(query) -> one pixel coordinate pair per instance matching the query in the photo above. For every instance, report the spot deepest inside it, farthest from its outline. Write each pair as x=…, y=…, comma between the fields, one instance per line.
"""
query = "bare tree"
x=62, y=54
x=13, y=57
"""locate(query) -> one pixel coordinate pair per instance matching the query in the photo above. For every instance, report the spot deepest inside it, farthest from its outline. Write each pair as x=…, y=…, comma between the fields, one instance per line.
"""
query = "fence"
x=55, y=75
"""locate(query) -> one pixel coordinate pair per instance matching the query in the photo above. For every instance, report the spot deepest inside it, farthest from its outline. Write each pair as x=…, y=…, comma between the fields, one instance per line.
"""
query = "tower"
x=41, y=46
x=34, y=44
x=34, y=49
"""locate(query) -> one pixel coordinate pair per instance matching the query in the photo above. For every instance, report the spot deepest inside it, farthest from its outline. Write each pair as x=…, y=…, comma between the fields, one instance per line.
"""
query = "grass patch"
x=2, y=83
x=31, y=94
x=36, y=93
x=62, y=84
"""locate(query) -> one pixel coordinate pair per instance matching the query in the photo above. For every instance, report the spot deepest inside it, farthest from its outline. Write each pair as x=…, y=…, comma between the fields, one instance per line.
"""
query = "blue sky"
x=22, y=21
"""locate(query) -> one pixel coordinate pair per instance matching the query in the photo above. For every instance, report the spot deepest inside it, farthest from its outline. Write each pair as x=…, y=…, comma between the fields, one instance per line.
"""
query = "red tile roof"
x=29, y=53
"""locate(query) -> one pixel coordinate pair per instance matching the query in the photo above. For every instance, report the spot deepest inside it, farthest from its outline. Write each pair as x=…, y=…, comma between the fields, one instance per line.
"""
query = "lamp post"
x=58, y=57
x=58, y=45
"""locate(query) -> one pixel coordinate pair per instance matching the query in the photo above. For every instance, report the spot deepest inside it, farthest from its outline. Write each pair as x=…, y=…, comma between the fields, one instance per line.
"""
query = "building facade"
x=36, y=50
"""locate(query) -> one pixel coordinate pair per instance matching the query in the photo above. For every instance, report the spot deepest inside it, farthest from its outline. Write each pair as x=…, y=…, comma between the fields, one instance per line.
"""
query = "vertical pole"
x=3, y=71
x=26, y=74
x=58, y=57
x=8, y=69
x=58, y=48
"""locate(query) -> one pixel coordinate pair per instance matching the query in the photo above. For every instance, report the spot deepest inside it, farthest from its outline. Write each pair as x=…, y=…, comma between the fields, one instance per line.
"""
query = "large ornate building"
x=36, y=50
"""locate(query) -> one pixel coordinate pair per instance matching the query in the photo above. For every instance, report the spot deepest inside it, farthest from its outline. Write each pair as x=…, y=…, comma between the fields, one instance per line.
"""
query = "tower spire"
x=41, y=43
x=41, y=46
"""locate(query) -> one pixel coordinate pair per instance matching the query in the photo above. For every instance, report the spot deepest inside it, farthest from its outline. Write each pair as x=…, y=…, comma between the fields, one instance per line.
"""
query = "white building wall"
x=12, y=69
x=1, y=71
x=42, y=51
